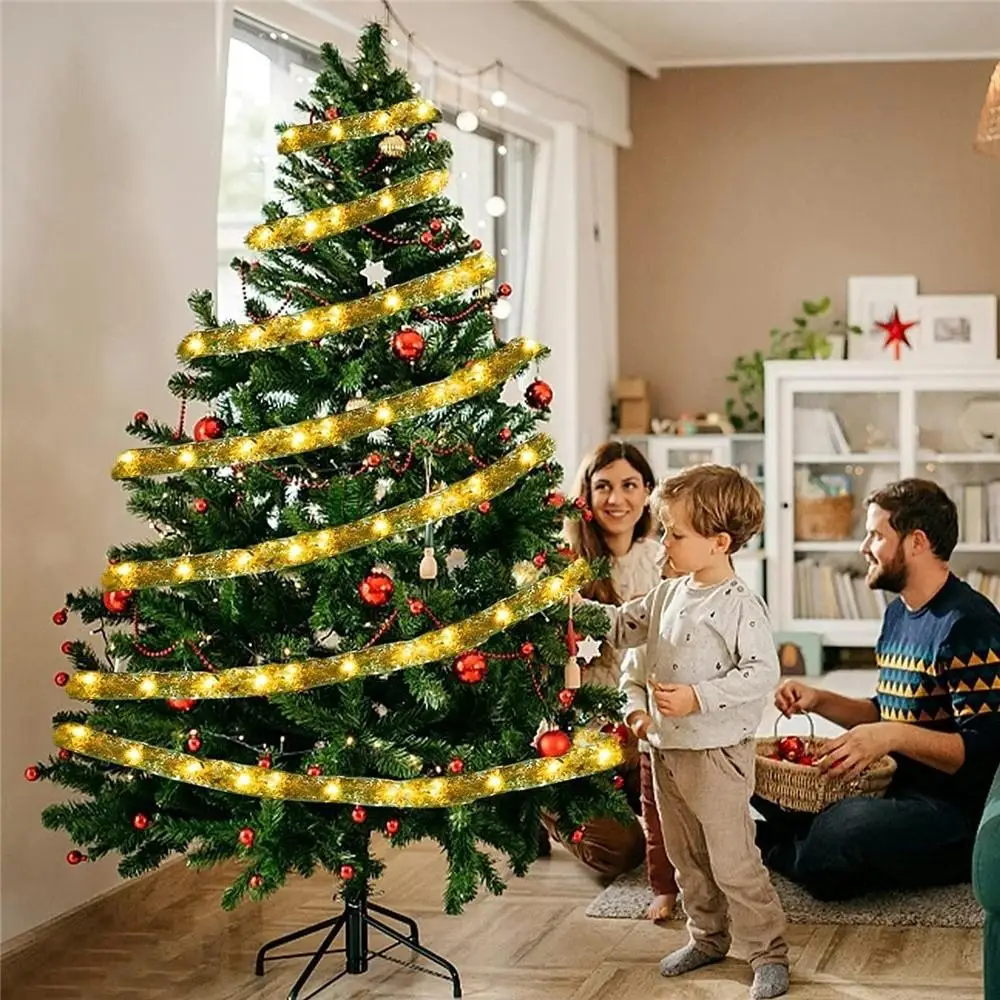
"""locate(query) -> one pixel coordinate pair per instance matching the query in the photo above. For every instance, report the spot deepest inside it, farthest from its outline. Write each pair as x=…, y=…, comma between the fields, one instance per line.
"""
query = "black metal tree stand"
x=355, y=919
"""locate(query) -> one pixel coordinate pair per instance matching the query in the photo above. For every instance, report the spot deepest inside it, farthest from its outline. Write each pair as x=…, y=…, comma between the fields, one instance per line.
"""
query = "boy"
x=698, y=697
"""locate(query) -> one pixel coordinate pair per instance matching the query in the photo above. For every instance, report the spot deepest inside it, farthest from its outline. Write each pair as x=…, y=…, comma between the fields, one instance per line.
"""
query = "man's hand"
x=675, y=700
x=848, y=755
x=639, y=723
x=796, y=697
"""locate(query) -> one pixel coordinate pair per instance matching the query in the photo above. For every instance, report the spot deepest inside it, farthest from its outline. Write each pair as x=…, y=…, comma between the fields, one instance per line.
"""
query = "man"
x=936, y=711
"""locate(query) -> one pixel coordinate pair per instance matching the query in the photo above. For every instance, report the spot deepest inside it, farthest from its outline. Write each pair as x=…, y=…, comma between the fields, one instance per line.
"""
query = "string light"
x=592, y=753
x=283, y=678
x=311, y=435
x=333, y=219
x=324, y=321
x=367, y=124
x=282, y=553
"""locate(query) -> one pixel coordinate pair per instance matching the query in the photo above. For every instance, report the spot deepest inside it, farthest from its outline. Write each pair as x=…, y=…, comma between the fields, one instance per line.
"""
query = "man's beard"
x=892, y=577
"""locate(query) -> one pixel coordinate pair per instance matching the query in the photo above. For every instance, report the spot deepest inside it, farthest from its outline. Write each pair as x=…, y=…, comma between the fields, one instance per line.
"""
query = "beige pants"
x=703, y=797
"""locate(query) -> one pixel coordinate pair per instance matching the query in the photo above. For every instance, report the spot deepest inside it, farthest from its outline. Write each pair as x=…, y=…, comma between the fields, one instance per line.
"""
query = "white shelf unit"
x=896, y=422
x=669, y=453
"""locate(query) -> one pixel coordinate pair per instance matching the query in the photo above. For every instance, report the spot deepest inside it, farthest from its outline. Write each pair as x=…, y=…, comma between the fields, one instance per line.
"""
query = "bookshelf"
x=843, y=428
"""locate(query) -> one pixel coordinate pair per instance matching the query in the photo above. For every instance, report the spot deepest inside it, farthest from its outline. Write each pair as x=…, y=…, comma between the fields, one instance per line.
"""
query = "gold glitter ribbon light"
x=323, y=432
x=324, y=321
x=366, y=125
x=283, y=678
x=323, y=222
x=591, y=753
x=298, y=550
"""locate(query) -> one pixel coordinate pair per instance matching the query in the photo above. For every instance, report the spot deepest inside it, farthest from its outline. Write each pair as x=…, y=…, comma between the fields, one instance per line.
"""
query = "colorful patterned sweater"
x=939, y=666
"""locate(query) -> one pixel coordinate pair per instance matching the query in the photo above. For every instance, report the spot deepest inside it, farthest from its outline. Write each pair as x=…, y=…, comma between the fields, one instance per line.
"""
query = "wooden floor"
x=532, y=943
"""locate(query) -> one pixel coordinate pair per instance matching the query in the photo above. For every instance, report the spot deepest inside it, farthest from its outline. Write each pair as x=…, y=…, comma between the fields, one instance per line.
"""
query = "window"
x=268, y=71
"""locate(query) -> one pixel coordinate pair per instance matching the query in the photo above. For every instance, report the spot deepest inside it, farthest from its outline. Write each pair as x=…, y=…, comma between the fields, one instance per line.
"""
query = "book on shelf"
x=824, y=591
x=819, y=432
x=978, y=511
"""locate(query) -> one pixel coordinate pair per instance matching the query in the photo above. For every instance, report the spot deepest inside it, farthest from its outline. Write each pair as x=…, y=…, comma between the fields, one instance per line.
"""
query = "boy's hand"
x=675, y=700
x=639, y=723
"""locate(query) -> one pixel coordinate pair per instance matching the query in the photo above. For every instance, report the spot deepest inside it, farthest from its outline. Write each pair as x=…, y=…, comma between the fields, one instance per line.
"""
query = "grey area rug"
x=628, y=898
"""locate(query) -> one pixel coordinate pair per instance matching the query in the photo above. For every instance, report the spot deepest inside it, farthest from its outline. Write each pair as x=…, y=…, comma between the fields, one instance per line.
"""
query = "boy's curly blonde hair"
x=719, y=500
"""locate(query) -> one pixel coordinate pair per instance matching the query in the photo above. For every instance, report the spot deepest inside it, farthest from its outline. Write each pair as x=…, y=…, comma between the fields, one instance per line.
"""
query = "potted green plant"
x=813, y=334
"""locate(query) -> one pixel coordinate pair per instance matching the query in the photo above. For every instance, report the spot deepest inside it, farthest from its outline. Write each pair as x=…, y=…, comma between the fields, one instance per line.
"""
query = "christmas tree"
x=353, y=618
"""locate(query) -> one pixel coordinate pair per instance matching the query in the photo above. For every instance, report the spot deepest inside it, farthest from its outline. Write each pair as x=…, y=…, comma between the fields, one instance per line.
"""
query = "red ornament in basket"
x=786, y=773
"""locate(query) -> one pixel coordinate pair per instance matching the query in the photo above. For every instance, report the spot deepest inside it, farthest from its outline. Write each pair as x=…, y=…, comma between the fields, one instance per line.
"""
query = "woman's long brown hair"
x=585, y=538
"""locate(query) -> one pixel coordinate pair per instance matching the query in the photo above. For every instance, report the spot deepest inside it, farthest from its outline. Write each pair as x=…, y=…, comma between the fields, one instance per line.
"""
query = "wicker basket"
x=823, y=519
x=806, y=789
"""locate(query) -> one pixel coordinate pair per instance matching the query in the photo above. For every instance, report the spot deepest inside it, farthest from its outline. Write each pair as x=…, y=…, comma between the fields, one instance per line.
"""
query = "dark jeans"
x=904, y=840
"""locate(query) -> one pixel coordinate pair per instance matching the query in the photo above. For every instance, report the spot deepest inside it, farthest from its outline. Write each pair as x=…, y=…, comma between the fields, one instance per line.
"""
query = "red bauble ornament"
x=538, y=395
x=60, y=617
x=331, y=114
x=527, y=649
x=314, y=770
x=391, y=827
x=417, y=606
x=436, y=225
x=566, y=697
x=61, y=679
x=359, y=814
x=484, y=507
x=117, y=601
x=554, y=743
x=580, y=503
x=141, y=417
x=623, y=733
x=504, y=290
x=432, y=136
x=374, y=460
x=65, y=754
x=555, y=499
x=477, y=244
x=505, y=434
x=895, y=333
x=264, y=762
x=75, y=857
x=209, y=428
x=31, y=773
x=140, y=821
x=182, y=704
x=806, y=760
x=408, y=345
x=246, y=836
x=791, y=748
x=200, y=504
x=540, y=559
x=427, y=237
x=347, y=872
x=456, y=765
x=470, y=668
x=619, y=782
x=376, y=589
x=577, y=835
x=66, y=648
x=193, y=744
x=588, y=515
x=256, y=881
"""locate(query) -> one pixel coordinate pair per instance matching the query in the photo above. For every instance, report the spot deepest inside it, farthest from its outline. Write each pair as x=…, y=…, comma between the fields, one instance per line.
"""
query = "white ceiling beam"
x=574, y=16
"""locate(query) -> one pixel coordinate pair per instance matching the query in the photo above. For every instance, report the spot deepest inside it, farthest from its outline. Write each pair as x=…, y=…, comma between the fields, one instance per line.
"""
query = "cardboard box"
x=634, y=416
x=631, y=388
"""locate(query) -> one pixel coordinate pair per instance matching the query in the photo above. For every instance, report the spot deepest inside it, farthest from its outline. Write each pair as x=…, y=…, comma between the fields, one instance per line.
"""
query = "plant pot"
x=838, y=346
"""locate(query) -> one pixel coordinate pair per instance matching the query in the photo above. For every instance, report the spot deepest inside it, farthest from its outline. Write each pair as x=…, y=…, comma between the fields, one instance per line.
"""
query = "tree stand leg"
x=355, y=919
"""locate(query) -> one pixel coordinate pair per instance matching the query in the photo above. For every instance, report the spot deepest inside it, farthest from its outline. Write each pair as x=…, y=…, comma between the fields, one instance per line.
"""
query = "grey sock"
x=769, y=980
x=687, y=959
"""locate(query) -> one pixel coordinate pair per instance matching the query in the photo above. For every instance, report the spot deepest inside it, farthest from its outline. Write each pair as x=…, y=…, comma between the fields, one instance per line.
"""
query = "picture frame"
x=800, y=654
x=958, y=329
x=871, y=300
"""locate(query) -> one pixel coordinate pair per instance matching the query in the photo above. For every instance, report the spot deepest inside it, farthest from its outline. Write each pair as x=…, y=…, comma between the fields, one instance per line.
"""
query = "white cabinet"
x=669, y=453
x=835, y=430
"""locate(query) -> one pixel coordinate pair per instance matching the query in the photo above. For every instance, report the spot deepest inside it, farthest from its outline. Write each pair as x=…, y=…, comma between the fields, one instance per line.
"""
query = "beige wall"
x=749, y=189
x=110, y=174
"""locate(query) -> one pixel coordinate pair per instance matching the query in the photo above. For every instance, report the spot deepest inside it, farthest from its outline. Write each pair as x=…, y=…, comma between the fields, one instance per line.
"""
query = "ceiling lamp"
x=988, y=133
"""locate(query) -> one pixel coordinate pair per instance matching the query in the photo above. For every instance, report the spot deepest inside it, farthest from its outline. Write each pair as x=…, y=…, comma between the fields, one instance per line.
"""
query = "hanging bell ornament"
x=393, y=145
x=428, y=565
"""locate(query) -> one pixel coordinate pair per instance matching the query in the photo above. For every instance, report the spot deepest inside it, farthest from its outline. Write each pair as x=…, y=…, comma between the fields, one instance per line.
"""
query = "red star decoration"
x=895, y=333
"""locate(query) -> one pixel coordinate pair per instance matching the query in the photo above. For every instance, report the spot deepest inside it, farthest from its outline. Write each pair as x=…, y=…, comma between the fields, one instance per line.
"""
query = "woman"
x=616, y=481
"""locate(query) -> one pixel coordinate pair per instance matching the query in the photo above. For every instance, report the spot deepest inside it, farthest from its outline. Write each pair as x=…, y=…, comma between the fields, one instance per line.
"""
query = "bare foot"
x=661, y=908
